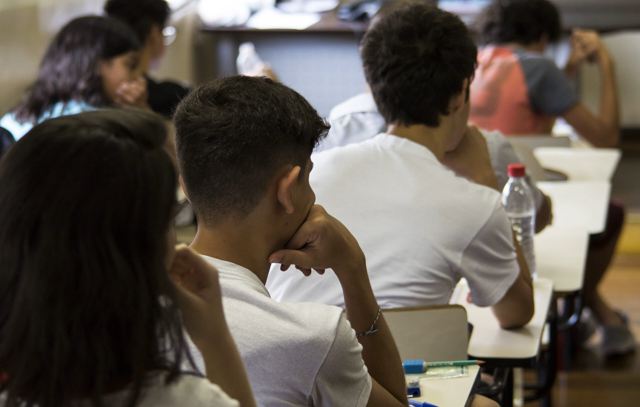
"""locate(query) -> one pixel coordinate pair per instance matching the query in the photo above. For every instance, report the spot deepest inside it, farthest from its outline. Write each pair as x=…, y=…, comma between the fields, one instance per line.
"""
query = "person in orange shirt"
x=519, y=91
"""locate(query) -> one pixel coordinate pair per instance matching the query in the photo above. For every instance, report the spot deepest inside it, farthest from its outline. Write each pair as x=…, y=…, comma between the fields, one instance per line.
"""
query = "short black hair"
x=86, y=305
x=415, y=60
x=233, y=134
x=520, y=21
x=140, y=15
x=70, y=70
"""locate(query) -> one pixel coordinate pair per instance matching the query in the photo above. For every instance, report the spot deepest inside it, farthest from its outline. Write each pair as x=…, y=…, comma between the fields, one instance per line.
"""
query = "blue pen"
x=415, y=403
x=418, y=366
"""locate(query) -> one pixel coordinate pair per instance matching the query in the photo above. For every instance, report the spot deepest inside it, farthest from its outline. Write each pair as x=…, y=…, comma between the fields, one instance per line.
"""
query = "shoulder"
x=186, y=390
x=362, y=103
x=537, y=65
x=11, y=124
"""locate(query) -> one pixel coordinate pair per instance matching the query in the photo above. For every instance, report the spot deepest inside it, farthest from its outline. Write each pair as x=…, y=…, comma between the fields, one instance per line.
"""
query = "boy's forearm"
x=379, y=350
x=609, y=112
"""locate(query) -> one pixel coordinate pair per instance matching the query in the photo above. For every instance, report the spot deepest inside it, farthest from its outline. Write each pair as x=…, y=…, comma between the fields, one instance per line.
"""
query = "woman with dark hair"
x=93, y=296
x=91, y=63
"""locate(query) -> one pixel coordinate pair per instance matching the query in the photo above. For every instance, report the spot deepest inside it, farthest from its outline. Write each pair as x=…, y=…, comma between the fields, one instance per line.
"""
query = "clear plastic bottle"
x=519, y=203
x=249, y=62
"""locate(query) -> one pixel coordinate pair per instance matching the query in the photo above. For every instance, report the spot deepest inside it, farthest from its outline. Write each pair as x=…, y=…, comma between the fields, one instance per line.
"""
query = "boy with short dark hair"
x=244, y=147
x=421, y=227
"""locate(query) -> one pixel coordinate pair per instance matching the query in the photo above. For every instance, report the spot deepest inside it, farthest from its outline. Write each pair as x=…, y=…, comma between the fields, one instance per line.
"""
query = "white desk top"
x=579, y=204
x=580, y=164
x=560, y=257
x=489, y=341
x=452, y=392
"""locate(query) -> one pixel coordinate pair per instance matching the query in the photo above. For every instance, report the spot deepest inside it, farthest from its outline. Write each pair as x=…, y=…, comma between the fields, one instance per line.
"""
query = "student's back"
x=518, y=90
x=88, y=313
x=421, y=227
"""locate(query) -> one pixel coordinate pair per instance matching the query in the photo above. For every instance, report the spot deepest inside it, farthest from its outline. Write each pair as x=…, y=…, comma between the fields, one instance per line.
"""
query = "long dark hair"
x=70, y=67
x=86, y=306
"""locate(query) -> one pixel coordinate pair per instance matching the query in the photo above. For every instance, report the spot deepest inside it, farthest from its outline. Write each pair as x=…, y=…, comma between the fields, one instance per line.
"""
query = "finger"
x=296, y=257
x=306, y=234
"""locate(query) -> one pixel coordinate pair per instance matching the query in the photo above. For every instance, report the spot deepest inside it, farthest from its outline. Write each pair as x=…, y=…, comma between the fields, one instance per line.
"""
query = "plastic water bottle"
x=249, y=62
x=519, y=203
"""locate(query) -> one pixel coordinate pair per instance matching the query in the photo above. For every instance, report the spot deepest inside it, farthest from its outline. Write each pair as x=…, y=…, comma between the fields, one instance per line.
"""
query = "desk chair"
x=433, y=333
x=6, y=140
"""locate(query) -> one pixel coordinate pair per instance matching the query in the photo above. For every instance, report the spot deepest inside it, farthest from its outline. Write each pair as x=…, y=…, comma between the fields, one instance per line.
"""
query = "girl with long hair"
x=91, y=63
x=94, y=299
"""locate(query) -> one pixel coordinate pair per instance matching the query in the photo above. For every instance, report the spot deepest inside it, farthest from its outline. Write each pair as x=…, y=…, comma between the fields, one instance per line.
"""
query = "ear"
x=458, y=101
x=286, y=185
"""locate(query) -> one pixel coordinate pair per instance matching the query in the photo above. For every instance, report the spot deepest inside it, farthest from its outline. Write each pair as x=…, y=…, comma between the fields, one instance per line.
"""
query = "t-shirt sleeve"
x=489, y=262
x=550, y=92
x=343, y=379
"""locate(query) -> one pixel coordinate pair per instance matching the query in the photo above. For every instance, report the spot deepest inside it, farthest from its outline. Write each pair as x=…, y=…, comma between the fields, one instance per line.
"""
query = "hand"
x=471, y=159
x=586, y=45
x=133, y=93
x=322, y=242
x=198, y=293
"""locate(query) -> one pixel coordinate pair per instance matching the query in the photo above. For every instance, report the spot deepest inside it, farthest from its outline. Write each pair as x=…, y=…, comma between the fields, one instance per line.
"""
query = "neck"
x=433, y=138
x=537, y=47
x=239, y=242
x=144, y=64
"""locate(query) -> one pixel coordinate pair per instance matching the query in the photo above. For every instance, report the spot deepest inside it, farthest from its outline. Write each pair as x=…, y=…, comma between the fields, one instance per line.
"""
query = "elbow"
x=520, y=318
x=609, y=138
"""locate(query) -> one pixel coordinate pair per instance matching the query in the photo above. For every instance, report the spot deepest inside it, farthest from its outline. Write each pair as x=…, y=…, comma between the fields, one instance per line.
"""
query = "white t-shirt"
x=421, y=227
x=187, y=390
x=295, y=354
x=357, y=119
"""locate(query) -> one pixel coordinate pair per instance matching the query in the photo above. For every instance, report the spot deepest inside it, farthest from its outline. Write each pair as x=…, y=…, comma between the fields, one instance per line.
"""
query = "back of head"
x=519, y=21
x=416, y=58
x=85, y=207
x=233, y=134
x=70, y=70
x=140, y=15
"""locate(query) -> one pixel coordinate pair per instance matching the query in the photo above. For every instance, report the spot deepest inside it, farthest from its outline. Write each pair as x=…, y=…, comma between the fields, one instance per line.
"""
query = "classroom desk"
x=511, y=348
x=452, y=392
x=579, y=204
x=580, y=164
x=561, y=254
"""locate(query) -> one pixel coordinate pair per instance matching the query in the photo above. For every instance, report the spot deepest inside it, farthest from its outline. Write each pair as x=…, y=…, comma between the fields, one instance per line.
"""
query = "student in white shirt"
x=421, y=226
x=357, y=119
x=94, y=300
x=243, y=148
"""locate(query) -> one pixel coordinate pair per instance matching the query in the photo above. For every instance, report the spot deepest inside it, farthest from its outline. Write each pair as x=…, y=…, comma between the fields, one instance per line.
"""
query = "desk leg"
x=507, y=392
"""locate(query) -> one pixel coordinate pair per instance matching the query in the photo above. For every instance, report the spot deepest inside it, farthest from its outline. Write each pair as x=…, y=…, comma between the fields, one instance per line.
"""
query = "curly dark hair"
x=69, y=68
x=86, y=304
x=520, y=21
x=416, y=58
x=140, y=15
x=233, y=134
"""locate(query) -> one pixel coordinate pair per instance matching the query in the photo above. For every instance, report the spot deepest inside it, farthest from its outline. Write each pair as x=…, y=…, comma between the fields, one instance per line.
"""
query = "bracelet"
x=373, y=328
